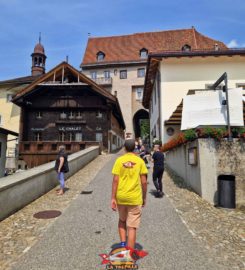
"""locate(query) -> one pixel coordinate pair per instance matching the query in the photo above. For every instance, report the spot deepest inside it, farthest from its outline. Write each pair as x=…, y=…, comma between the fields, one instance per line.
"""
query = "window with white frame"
x=38, y=136
x=71, y=115
x=143, y=53
x=62, y=136
x=63, y=115
x=139, y=93
x=107, y=74
x=39, y=115
x=99, y=137
x=98, y=114
x=79, y=115
x=141, y=72
x=71, y=136
x=100, y=56
x=186, y=48
x=93, y=75
x=123, y=74
x=79, y=137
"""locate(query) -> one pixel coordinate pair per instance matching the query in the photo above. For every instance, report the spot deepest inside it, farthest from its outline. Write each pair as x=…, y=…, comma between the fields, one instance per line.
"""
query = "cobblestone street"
x=214, y=239
x=220, y=230
x=21, y=231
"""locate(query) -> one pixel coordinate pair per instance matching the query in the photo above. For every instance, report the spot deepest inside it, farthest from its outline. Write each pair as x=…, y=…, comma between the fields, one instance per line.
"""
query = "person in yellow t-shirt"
x=129, y=188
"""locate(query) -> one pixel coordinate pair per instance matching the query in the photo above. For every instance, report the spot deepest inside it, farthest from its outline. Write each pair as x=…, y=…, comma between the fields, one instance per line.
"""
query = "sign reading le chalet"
x=70, y=128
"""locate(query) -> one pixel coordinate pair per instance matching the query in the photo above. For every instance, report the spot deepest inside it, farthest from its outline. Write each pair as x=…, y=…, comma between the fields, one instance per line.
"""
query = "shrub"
x=190, y=135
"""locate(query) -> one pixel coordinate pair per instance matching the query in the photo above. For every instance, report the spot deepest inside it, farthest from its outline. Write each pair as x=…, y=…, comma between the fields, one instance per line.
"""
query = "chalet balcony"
x=103, y=81
x=36, y=153
x=52, y=147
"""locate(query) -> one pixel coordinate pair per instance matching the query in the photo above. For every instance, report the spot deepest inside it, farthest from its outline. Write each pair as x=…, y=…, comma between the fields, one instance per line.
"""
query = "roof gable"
x=64, y=74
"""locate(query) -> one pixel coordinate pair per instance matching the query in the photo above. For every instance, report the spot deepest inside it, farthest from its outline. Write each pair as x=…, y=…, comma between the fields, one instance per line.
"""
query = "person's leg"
x=122, y=228
x=131, y=237
x=133, y=222
x=58, y=177
x=160, y=173
x=155, y=181
x=62, y=183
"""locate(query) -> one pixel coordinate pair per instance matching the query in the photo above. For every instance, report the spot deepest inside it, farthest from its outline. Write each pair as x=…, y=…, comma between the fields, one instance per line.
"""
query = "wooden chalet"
x=64, y=107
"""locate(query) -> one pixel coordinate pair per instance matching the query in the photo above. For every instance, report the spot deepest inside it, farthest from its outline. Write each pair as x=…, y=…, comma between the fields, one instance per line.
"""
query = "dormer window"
x=143, y=53
x=186, y=48
x=100, y=56
x=216, y=47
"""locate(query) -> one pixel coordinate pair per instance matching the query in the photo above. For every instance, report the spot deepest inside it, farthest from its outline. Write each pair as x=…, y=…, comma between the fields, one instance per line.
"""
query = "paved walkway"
x=88, y=227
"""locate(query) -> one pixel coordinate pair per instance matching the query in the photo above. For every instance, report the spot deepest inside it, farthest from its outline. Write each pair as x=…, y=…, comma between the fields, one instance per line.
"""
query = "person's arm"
x=114, y=192
x=61, y=163
x=143, y=179
x=152, y=158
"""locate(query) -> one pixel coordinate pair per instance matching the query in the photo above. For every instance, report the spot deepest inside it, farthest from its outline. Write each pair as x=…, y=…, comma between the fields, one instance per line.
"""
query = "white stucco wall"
x=154, y=110
x=10, y=113
x=178, y=75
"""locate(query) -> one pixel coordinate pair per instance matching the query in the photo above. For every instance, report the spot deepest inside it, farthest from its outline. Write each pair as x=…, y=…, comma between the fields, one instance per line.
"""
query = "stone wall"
x=20, y=189
x=214, y=158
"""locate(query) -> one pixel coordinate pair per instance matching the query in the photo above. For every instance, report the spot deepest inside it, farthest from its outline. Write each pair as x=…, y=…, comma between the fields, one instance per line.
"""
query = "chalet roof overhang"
x=50, y=79
x=155, y=57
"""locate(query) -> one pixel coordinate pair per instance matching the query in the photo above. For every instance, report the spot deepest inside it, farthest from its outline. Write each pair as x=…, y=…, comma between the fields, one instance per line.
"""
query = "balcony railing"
x=103, y=81
x=51, y=147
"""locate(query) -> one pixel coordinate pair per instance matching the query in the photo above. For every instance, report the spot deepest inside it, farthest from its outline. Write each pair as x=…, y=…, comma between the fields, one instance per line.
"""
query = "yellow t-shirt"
x=129, y=167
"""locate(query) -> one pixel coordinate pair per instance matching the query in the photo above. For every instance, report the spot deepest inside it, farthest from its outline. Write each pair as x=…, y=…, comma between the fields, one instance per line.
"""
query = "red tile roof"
x=20, y=80
x=127, y=48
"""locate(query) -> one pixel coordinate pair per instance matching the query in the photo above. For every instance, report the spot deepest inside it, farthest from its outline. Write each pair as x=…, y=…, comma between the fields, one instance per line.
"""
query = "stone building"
x=64, y=107
x=119, y=64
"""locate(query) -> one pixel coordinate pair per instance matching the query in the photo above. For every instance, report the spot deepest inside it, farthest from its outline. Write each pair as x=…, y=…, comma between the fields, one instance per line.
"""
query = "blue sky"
x=65, y=25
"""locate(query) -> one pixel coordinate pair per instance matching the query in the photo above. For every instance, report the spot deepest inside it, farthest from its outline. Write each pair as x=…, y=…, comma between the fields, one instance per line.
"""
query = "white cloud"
x=234, y=44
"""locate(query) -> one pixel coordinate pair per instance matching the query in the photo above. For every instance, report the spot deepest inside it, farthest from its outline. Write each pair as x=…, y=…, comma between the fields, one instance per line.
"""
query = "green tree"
x=144, y=128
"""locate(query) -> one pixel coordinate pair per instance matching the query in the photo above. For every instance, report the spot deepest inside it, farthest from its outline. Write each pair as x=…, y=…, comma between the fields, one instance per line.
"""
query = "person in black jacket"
x=158, y=169
x=61, y=167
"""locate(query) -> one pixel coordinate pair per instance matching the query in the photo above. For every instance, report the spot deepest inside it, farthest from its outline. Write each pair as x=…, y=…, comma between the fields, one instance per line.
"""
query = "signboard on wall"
x=205, y=109
x=192, y=156
x=67, y=128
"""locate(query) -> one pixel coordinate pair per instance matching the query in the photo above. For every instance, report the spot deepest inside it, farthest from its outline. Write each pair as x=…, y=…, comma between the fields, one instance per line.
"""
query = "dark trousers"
x=157, y=177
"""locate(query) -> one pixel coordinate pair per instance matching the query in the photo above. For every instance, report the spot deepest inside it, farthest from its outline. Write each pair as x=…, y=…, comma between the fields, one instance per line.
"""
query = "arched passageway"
x=141, y=124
